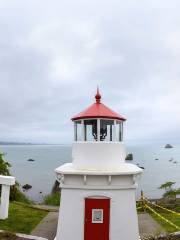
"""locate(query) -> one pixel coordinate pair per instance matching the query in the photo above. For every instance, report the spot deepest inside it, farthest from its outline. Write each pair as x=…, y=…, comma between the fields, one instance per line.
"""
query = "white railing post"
x=5, y=182
x=4, y=201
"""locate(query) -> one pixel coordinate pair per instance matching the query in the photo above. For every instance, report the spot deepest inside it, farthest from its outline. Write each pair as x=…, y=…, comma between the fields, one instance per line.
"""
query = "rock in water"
x=55, y=187
x=142, y=167
x=129, y=157
x=27, y=187
x=168, y=146
x=31, y=160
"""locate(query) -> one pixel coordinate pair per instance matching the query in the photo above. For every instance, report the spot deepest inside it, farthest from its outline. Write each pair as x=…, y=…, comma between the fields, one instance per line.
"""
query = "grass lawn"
x=22, y=218
x=171, y=217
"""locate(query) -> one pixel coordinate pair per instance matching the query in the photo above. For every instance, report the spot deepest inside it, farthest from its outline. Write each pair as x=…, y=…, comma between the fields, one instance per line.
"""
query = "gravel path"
x=148, y=226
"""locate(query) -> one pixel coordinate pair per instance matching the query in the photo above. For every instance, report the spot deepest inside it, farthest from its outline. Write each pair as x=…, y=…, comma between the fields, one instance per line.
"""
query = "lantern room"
x=98, y=123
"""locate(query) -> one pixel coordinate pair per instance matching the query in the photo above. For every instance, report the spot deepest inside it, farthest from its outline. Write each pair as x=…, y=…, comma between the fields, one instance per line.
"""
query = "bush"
x=7, y=236
x=168, y=237
x=4, y=166
x=17, y=195
x=52, y=199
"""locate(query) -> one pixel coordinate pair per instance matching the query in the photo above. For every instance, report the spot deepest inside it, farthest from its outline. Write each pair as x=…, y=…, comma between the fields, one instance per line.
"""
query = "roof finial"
x=98, y=96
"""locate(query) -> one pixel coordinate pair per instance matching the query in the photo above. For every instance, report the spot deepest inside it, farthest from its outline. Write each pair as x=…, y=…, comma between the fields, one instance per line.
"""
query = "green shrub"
x=52, y=199
x=17, y=195
x=168, y=237
x=7, y=236
x=4, y=166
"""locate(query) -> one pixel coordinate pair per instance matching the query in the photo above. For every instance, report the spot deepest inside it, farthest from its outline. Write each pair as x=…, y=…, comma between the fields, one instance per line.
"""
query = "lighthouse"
x=98, y=187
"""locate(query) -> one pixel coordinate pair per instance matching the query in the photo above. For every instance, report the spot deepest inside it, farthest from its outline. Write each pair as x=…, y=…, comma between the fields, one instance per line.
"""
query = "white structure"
x=98, y=187
x=5, y=182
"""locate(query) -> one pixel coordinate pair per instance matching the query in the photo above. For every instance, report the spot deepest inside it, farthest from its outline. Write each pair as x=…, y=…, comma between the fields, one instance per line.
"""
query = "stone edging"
x=30, y=237
x=27, y=236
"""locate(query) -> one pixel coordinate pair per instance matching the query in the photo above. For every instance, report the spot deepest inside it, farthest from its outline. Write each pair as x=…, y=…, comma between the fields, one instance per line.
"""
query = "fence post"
x=143, y=201
x=6, y=182
x=4, y=201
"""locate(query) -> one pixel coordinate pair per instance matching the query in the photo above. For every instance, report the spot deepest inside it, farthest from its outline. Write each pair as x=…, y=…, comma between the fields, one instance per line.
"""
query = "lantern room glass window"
x=107, y=130
x=77, y=131
x=90, y=130
x=119, y=131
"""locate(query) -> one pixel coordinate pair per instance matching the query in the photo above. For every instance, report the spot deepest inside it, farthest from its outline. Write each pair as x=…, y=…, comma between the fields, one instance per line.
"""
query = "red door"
x=96, y=222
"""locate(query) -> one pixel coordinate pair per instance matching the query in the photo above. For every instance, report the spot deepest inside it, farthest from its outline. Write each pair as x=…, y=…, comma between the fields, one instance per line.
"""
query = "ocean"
x=40, y=173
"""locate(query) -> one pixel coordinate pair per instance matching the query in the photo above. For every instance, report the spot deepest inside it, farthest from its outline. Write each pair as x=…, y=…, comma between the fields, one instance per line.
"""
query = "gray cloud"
x=54, y=54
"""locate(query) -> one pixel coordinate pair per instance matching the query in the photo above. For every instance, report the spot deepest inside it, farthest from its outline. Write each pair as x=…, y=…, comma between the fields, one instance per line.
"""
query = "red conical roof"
x=98, y=110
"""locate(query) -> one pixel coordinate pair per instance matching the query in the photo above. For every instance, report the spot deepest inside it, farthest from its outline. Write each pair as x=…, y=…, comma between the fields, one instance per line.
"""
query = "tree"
x=4, y=166
x=172, y=194
x=167, y=186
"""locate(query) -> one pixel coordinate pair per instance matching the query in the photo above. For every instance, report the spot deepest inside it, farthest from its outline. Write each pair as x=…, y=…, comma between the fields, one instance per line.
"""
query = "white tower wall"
x=98, y=155
x=123, y=216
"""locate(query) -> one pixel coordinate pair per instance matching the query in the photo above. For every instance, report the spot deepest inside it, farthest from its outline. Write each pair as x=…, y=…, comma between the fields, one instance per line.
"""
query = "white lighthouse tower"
x=98, y=187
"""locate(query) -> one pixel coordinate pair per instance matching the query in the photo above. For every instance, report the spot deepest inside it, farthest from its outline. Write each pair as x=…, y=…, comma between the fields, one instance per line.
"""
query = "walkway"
x=148, y=226
x=48, y=226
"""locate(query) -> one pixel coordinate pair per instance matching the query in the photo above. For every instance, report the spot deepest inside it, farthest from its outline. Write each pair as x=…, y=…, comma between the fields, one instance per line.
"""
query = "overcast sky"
x=53, y=54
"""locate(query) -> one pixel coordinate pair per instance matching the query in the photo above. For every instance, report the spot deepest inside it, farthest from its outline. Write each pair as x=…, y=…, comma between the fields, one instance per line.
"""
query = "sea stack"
x=98, y=187
x=129, y=157
x=26, y=186
x=168, y=146
x=31, y=160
